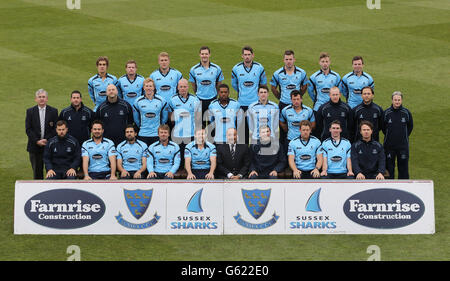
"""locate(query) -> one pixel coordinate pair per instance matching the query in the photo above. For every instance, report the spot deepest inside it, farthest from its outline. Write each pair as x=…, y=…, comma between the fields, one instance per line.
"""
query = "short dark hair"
x=131, y=126
x=97, y=122
x=204, y=48
x=367, y=123
x=61, y=123
x=368, y=87
x=336, y=122
x=358, y=58
x=75, y=92
x=247, y=48
x=296, y=93
x=323, y=55
x=263, y=87
x=289, y=53
x=223, y=86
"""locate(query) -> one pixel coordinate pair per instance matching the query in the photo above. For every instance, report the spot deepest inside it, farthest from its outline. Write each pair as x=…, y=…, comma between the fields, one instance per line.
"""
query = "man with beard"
x=131, y=156
x=62, y=154
x=78, y=118
x=99, y=155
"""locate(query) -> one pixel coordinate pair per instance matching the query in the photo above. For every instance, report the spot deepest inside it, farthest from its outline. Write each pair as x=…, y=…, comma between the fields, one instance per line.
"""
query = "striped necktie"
x=232, y=151
x=42, y=119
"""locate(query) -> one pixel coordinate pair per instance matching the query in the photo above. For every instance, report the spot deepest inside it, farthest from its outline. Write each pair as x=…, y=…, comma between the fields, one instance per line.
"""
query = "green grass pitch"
x=405, y=45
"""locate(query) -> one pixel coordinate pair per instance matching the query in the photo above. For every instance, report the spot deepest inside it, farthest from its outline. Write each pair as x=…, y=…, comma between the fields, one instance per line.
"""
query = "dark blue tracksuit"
x=62, y=154
x=370, y=112
x=115, y=116
x=329, y=112
x=397, y=126
x=78, y=122
x=266, y=158
x=368, y=158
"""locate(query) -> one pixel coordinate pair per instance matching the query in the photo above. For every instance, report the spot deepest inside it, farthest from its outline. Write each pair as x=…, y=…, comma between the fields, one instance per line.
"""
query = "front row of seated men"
x=307, y=157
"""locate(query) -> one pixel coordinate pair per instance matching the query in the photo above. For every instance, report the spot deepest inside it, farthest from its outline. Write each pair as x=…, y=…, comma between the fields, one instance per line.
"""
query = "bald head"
x=111, y=92
x=183, y=87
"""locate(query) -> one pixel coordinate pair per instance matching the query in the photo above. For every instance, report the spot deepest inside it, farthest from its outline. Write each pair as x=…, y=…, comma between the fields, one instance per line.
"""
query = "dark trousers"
x=283, y=135
x=100, y=175
x=402, y=156
x=262, y=176
x=247, y=134
x=37, y=164
x=161, y=176
x=61, y=175
x=205, y=105
x=200, y=173
x=342, y=176
x=131, y=176
x=306, y=175
x=182, y=142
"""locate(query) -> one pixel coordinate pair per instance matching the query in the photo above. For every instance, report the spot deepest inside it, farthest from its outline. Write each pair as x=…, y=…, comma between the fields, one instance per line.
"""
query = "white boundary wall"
x=224, y=207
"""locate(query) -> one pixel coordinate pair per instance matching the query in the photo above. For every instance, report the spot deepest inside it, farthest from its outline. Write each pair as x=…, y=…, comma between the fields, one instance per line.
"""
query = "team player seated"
x=337, y=163
x=99, y=155
x=131, y=156
x=368, y=159
x=62, y=154
x=304, y=154
x=200, y=157
x=163, y=156
x=267, y=157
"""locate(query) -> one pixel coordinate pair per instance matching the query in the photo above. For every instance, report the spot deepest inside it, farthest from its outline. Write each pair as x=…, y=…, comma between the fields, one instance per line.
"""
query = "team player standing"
x=155, y=128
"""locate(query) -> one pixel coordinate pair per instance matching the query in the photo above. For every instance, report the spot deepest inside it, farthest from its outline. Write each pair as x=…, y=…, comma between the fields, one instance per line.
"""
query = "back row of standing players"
x=324, y=88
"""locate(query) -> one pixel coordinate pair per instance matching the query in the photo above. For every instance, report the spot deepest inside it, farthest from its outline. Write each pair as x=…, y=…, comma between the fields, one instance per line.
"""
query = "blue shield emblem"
x=256, y=201
x=138, y=201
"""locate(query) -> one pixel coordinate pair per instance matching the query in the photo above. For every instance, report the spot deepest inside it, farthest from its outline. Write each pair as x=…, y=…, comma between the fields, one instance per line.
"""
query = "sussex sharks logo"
x=137, y=202
x=256, y=201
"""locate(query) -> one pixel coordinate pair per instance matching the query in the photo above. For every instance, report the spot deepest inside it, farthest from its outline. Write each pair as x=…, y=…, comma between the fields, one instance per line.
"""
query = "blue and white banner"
x=224, y=207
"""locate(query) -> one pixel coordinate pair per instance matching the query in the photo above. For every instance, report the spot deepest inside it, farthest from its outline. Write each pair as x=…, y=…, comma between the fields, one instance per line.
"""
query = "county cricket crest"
x=256, y=201
x=138, y=201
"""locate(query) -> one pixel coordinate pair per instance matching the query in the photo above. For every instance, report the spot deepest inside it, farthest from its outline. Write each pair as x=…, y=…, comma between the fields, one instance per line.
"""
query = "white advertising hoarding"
x=224, y=207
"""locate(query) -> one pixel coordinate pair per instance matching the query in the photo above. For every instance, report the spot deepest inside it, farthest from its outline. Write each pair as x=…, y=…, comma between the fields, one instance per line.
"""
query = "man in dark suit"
x=40, y=126
x=233, y=159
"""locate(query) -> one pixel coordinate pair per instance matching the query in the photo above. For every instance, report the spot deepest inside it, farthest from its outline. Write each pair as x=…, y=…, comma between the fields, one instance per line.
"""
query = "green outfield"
x=405, y=46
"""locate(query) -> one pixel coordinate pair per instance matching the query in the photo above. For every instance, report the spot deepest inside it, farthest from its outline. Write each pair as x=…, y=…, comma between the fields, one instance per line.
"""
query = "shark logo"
x=313, y=204
x=195, y=204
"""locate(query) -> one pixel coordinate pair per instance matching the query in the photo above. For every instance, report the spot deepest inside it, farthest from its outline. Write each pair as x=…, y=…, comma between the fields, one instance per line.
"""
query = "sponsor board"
x=195, y=208
x=224, y=207
x=253, y=208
